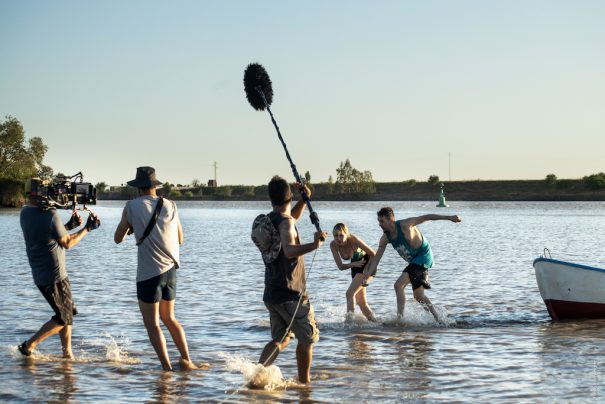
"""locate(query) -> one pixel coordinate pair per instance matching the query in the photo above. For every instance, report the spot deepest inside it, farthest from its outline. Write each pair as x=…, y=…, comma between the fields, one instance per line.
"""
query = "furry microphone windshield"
x=257, y=85
x=260, y=94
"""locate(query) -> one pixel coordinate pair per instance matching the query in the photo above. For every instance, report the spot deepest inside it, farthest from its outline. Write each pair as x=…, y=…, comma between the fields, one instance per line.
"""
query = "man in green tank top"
x=408, y=241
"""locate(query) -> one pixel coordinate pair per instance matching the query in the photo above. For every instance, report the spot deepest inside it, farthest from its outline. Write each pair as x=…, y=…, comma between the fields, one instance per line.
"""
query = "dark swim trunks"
x=159, y=287
x=419, y=276
x=58, y=295
x=355, y=271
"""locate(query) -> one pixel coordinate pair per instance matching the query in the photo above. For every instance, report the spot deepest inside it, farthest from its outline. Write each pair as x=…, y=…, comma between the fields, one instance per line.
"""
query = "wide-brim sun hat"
x=145, y=178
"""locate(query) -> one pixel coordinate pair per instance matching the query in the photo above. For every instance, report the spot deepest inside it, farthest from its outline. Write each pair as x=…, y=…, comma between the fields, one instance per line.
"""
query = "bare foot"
x=68, y=355
x=189, y=365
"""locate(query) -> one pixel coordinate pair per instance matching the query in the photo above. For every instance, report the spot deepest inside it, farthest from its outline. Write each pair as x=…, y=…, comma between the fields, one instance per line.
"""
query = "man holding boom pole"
x=285, y=296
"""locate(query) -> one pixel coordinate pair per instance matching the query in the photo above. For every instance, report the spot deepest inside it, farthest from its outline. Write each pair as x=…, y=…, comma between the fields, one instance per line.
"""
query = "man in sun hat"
x=155, y=223
x=46, y=239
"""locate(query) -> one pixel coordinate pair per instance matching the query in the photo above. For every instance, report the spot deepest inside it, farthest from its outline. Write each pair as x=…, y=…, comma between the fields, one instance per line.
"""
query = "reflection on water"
x=576, y=348
x=360, y=352
x=51, y=381
x=170, y=387
x=499, y=343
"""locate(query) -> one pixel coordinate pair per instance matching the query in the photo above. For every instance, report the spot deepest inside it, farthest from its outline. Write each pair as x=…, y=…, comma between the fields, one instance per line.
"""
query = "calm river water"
x=499, y=344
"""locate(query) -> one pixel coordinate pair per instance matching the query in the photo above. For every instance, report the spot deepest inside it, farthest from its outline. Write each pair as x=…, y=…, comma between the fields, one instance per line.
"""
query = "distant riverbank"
x=11, y=192
x=503, y=190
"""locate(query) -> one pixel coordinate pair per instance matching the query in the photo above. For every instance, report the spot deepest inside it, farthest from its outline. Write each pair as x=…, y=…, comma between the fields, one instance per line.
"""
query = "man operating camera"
x=46, y=239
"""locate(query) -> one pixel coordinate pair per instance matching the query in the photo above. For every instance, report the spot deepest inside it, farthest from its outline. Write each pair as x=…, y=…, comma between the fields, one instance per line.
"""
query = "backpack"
x=266, y=237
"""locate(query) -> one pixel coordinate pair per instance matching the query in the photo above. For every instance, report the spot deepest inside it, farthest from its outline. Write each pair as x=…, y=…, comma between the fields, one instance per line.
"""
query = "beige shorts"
x=303, y=327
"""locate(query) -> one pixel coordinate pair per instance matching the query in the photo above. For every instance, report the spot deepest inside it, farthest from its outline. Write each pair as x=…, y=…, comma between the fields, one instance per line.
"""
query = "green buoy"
x=442, y=203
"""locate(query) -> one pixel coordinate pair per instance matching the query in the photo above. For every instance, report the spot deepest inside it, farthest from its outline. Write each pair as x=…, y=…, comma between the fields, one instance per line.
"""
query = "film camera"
x=63, y=191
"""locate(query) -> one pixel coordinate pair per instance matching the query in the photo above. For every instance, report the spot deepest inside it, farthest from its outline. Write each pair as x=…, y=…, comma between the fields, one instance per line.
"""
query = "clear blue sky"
x=512, y=89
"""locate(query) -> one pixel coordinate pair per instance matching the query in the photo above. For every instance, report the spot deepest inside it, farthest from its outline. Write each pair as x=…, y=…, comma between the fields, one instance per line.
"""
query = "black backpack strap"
x=153, y=220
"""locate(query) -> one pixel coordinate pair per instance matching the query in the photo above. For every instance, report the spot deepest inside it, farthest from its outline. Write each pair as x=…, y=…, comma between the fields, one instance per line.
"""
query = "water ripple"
x=498, y=343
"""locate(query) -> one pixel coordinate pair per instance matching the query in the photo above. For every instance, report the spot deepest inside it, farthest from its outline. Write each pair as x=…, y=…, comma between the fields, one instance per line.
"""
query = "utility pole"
x=450, y=164
x=215, y=166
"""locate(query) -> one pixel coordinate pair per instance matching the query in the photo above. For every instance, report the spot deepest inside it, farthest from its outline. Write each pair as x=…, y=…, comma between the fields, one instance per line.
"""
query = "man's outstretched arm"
x=415, y=221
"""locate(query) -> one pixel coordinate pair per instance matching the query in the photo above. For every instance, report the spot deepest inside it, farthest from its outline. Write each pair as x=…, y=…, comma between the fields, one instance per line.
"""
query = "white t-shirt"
x=159, y=252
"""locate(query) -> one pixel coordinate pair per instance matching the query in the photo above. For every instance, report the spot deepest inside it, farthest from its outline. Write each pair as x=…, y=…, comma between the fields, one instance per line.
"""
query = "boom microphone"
x=259, y=93
x=257, y=85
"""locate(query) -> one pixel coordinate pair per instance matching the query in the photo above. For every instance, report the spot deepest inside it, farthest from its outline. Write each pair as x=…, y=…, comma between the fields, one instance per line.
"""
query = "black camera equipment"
x=64, y=192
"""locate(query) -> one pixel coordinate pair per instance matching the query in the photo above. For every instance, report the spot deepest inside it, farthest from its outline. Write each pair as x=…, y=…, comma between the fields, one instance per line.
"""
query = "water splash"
x=37, y=355
x=102, y=349
x=113, y=351
x=255, y=374
x=334, y=317
x=106, y=348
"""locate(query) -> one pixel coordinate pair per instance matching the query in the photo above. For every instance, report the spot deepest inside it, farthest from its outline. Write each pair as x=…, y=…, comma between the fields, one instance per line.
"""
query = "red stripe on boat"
x=559, y=309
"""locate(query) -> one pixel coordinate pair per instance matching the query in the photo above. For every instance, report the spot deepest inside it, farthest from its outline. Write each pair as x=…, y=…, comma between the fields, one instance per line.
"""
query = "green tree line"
x=20, y=160
x=593, y=182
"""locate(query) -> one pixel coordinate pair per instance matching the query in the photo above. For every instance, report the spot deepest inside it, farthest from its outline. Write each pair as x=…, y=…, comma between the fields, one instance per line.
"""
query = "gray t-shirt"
x=159, y=252
x=41, y=230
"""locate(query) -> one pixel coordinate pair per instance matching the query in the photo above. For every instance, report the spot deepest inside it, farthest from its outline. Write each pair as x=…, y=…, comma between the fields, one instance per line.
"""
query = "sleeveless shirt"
x=284, y=277
x=422, y=255
x=159, y=252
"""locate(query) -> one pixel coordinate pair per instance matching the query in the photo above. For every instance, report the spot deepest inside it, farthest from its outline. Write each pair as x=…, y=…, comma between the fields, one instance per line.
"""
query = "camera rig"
x=64, y=192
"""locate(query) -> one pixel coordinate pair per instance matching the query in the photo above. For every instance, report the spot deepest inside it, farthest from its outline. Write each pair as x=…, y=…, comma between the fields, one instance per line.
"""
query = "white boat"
x=571, y=290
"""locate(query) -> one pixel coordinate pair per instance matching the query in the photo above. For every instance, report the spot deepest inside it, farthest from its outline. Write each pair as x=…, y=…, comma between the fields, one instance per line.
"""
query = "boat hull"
x=571, y=290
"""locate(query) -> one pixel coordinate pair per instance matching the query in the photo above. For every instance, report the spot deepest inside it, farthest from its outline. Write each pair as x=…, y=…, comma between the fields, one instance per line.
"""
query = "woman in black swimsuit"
x=352, y=252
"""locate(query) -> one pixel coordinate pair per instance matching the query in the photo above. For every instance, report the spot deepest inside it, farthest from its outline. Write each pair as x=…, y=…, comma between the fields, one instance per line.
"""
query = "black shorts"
x=58, y=295
x=162, y=286
x=355, y=271
x=419, y=276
